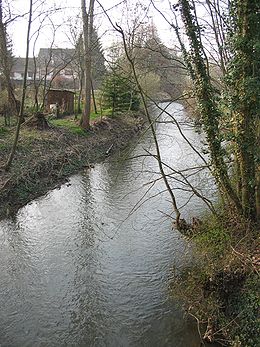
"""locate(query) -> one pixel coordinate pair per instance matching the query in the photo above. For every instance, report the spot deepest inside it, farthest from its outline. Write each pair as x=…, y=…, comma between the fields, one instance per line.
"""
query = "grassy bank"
x=222, y=289
x=44, y=158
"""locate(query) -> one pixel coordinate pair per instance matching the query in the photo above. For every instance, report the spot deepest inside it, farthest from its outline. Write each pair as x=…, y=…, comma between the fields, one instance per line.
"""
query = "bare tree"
x=20, y=118
x=88, y=19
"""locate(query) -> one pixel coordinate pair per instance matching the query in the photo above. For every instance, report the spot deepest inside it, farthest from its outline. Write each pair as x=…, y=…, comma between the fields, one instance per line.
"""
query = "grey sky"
x=61, y=18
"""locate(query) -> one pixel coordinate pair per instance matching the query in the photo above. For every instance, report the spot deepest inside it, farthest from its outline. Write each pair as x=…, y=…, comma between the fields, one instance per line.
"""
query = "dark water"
x=89, y=264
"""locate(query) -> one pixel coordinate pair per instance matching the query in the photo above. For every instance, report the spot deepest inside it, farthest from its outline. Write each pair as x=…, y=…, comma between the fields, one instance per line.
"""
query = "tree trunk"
x=93, y=97
x=20, y=117
x=6, y=64
x=87, y=37
x=246, y=157
x=245, y=88
x=257, y=194
x=207, y=104
x=80, y=94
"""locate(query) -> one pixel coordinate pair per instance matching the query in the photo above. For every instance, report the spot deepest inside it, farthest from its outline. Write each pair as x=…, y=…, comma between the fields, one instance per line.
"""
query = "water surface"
x=89, y=264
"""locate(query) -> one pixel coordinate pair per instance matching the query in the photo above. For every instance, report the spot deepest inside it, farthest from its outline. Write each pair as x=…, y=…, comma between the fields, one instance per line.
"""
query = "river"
x=89, y=264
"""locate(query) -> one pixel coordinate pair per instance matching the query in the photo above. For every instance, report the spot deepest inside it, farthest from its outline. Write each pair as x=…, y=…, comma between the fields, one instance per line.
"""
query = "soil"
x=45, y=158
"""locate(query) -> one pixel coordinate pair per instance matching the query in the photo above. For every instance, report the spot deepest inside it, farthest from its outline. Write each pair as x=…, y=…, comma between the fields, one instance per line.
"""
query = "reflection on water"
x=89, y=264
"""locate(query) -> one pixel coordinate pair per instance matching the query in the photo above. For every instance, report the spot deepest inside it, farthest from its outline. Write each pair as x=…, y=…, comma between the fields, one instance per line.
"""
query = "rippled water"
x=89, y=264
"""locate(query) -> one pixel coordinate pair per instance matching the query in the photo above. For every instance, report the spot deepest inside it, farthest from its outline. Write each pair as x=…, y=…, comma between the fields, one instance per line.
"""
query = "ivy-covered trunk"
x=243, y=90
x=244, y=87
x=197, y=64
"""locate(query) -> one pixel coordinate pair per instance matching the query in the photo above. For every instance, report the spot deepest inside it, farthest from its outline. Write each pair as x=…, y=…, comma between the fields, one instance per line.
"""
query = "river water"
x=89, y=264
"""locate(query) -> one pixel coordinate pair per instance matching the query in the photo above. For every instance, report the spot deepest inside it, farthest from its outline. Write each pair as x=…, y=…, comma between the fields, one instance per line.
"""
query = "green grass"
x=107, y=112
x=72, y=124
x=69, y=123
x=96, y=116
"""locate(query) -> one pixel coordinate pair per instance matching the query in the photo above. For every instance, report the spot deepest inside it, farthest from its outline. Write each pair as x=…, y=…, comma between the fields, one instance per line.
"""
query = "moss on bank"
x=44, y=158
x=222, y=289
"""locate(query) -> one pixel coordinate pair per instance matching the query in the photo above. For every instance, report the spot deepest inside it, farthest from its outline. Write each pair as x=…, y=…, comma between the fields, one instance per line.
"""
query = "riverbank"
x=45, y=158
x=221, y=289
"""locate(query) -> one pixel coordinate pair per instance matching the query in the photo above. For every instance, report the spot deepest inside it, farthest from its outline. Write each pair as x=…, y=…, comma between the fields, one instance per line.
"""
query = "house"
x=60, y=67
x=57, y=65
x=58, y=62
x=17, y=73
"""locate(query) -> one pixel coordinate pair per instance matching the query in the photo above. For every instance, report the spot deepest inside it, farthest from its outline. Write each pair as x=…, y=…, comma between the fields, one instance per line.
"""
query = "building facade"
x=56, y=66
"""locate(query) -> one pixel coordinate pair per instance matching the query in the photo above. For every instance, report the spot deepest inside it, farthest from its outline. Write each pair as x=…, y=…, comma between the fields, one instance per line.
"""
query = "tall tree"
x=21, y=116
x=88, y=19
x=97, y=64
x=151, y=55
x=243, y=85
x=241, y=90
x=6, y=62
x=207, y=101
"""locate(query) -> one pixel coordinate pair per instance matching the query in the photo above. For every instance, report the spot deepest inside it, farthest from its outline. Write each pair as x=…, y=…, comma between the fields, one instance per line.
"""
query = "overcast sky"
x=68, y=11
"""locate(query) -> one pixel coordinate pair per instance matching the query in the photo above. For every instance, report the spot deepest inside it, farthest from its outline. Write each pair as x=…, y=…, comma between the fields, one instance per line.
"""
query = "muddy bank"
x=45, y=158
